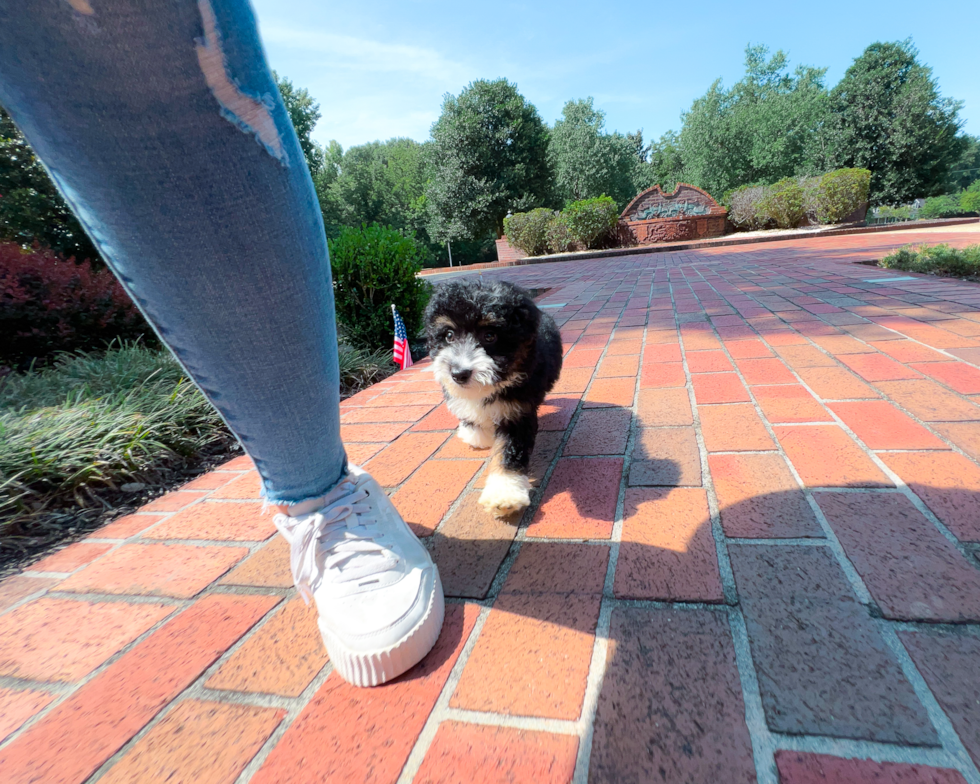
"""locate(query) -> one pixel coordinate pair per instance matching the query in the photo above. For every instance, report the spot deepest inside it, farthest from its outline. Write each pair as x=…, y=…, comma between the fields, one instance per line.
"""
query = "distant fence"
x=873, y=221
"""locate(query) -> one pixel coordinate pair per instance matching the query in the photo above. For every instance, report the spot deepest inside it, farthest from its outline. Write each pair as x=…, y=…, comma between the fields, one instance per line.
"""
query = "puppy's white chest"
x=484, y=415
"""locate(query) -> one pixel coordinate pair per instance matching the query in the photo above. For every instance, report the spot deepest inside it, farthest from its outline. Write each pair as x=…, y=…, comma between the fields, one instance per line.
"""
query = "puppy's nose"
x=461, y=375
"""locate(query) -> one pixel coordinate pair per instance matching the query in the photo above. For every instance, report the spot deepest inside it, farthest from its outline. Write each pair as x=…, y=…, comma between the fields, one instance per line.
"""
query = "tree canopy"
x=887, y=115
x=966, y=169
x=760, y=130
x=304, y=113
x=489, y=156
x=31, y=208
x=379, y=182
x=588, y=162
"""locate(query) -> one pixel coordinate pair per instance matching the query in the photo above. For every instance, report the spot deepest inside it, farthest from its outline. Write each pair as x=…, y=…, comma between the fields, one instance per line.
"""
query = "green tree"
x=489, y=156
x=965, y=169
x=31, y=208
x=333, y=154
x=666, y=163
x=304, y=113
x=587, y=162
x=641, y=150
x=760, y=130
x=378, y=183
x=887, y=115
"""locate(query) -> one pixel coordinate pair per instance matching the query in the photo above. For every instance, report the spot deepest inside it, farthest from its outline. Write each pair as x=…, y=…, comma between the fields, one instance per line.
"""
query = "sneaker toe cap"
x=381, y=617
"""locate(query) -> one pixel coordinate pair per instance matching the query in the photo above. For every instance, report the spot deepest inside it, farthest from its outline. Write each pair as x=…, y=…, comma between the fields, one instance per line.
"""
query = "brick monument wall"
x=686, y=214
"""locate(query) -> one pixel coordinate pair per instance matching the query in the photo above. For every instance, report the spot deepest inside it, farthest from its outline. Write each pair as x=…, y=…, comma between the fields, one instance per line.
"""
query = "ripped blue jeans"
x=163, y=127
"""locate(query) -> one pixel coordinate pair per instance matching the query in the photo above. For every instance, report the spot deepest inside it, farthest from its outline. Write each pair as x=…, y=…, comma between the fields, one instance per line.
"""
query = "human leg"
x=162, y=126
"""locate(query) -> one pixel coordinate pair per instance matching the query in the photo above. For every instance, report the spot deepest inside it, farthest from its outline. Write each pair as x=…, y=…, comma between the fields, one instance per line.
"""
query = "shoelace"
x=345, y=531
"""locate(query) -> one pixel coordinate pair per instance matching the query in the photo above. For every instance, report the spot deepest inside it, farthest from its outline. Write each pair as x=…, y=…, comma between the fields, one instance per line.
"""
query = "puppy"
x=496, y=356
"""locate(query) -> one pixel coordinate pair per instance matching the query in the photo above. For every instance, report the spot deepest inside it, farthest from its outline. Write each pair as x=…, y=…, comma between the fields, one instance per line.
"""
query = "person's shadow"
x=812, y=629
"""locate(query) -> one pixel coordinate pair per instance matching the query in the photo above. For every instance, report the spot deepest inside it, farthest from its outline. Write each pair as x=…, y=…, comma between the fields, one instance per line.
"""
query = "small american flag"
x=403, y=354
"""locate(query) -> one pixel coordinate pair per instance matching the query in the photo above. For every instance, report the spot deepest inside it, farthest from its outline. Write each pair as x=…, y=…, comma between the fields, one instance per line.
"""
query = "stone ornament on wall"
x=686, y=214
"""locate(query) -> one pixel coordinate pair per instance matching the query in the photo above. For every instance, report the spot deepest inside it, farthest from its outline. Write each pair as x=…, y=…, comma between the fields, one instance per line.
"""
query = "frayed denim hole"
x=248, y=113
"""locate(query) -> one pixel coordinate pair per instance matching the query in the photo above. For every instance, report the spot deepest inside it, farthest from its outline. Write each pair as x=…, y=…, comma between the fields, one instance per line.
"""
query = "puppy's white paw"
x=505, y=494
x=476, y=437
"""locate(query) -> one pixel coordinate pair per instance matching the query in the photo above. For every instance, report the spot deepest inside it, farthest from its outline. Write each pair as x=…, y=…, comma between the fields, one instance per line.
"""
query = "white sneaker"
x=377, y=590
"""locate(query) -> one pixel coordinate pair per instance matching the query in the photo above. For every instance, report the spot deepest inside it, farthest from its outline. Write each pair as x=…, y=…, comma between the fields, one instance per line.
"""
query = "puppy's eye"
x=450, y=336
x=489, y=337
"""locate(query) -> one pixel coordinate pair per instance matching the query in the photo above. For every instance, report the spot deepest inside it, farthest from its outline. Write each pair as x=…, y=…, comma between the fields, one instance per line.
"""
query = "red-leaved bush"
x=50, y=304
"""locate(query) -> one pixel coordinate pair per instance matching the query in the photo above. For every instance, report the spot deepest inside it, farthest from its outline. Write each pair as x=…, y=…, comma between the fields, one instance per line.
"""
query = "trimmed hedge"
x=583, y=224
x=839, y=193
x=373, y=267
x=784, y=203
x=791, y=202
x=560, y=237
x=589, y=219
x=743, y=206
x=529, y=230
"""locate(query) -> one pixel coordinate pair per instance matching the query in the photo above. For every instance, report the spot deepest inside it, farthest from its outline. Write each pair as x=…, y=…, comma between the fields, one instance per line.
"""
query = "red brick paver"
x=64, y=640
x=535, y=648
x=497, y=755
x=205, y=742
x=670, y=707
x=796, y=768
x=753, y=554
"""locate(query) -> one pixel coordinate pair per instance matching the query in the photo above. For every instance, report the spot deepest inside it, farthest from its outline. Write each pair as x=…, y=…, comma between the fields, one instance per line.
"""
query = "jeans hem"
x=279, y=499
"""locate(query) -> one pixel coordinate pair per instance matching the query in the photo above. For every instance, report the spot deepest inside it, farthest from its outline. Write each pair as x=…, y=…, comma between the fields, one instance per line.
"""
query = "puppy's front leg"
x=508, y=489
x=476, y=436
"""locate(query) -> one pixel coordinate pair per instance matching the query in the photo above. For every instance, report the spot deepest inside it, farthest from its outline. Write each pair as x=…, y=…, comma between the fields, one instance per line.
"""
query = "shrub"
x=529, y=230
x=840, y=193
x=49, y=304
x=373, y=267
x=589, y=219
x=900, y=213
x=936, y=260
x=825, y=199
x=784, y=204
x=559, y=234
x=743, y=206
x=941, y=207
x=970, y=198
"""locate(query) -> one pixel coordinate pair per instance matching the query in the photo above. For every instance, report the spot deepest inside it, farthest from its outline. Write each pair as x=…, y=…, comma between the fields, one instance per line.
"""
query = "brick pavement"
x=752, y=556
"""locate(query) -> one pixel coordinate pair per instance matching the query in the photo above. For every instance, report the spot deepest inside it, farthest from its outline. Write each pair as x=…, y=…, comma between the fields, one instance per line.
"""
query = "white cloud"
x=365, y=56
x=367, y=89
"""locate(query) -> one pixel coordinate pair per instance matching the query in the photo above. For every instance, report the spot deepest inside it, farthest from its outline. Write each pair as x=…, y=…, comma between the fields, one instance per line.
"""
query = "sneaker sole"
x=372, y=668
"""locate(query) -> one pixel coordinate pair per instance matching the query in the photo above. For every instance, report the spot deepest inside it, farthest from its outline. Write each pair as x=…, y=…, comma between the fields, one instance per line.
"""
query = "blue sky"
x=380, y=69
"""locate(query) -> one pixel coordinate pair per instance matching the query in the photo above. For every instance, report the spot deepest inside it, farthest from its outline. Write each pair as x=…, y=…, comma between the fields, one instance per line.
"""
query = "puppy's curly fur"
x=497, y=356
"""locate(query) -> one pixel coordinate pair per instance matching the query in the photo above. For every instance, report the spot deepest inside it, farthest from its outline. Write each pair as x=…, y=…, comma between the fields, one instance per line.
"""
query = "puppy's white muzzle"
x=465, y=369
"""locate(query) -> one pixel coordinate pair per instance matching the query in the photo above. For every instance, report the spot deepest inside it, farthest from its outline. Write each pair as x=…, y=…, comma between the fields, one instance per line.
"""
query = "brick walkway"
x=753, y=557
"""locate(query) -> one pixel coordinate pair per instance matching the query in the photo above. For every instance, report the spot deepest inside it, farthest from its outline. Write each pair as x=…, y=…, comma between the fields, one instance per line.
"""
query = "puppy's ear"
x=431, y=311
x=528, y=316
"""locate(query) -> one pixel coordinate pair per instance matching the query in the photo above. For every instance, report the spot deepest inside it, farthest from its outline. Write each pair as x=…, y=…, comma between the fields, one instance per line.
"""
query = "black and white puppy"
x=496, y=356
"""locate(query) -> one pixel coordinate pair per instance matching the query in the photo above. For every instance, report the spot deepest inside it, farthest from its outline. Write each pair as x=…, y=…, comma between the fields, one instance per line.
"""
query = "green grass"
x=936, y=260
x=96, y=421
x=360, y=368
x=93, y=421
